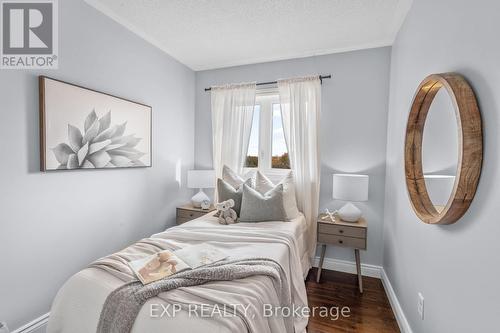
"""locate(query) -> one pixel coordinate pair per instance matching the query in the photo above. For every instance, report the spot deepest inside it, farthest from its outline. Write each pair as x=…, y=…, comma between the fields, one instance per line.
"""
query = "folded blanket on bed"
x=123, y=305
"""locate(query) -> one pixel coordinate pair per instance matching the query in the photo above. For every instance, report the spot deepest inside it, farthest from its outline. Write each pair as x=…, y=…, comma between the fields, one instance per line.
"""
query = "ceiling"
x=208, y=34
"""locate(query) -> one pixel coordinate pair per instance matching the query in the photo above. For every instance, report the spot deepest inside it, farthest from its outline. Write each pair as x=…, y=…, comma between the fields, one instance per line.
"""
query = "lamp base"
x=198, y=198
x=349, y=213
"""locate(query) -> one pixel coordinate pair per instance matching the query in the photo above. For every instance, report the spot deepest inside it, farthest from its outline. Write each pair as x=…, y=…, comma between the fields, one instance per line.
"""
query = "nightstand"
x=345, y=234
x=188, y=212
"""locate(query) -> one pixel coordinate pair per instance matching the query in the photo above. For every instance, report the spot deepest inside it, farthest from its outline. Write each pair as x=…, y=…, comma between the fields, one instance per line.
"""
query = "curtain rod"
x=321, y=77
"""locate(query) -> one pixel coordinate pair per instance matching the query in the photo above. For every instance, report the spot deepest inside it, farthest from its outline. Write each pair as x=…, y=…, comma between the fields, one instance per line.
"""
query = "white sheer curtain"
x=232, y=112
x=300, y=100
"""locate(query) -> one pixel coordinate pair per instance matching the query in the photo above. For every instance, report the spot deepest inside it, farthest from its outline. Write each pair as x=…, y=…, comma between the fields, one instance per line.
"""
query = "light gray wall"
x=454, y=266
x=353, y=124
x=54, y=224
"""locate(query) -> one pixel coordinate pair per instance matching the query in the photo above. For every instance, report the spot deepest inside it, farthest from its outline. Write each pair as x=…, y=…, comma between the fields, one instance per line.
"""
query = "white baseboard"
x=404, y=326
x=349, y=267
x=371, y=271
x=38, y=325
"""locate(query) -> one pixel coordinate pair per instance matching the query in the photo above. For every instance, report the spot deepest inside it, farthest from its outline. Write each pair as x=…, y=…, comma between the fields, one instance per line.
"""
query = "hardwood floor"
x=370, y=312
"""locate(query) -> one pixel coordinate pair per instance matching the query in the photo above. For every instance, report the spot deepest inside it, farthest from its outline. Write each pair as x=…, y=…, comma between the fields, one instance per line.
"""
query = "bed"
x=77, y=306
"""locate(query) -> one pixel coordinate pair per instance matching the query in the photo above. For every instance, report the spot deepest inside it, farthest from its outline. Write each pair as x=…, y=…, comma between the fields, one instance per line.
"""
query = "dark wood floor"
x=369, y=312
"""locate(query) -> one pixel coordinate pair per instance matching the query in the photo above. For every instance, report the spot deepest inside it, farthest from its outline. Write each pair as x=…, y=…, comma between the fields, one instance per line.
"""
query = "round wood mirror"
x=469, y=144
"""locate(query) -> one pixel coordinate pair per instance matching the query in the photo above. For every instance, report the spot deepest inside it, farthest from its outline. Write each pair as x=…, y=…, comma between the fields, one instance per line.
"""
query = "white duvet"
x=77, y=306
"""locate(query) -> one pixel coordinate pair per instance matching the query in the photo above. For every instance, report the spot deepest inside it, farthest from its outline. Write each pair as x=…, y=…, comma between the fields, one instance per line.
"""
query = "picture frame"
x=85, y=129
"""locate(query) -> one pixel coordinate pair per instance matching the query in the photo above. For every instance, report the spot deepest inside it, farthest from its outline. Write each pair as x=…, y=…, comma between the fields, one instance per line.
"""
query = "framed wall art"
x=81, y=128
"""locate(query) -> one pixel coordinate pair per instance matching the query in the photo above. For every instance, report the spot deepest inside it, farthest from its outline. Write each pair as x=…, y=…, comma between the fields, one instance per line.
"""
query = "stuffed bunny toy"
x=227, y=215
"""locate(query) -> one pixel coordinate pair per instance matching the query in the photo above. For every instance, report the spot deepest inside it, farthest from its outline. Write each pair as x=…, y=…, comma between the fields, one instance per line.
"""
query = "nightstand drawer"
x=357, y=243
x=341, y=230
x=181, y=220
x=189, y=214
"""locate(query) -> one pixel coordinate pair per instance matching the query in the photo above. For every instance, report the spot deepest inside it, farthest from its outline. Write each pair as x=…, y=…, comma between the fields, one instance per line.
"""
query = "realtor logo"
x=29, y=34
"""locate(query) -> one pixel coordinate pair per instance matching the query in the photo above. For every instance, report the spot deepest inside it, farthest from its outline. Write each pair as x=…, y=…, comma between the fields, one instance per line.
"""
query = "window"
x=253, y=146
x=279, y=150
x=267, y=147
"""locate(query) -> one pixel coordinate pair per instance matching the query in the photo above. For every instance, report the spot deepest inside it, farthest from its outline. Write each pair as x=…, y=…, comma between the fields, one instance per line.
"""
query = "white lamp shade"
x=201, y=178
x=350, y=187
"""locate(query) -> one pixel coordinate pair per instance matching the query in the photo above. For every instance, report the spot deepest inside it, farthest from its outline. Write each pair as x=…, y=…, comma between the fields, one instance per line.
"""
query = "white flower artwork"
x=100, y=145
x=78, y=134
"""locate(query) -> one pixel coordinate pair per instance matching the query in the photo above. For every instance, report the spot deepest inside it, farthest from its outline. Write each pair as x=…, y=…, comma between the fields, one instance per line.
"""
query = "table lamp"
x=350, y=187
x=200, y=179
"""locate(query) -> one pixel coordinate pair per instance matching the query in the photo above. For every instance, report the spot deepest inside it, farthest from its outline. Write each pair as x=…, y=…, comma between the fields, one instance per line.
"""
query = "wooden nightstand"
x=345, y=234
x=188, y=212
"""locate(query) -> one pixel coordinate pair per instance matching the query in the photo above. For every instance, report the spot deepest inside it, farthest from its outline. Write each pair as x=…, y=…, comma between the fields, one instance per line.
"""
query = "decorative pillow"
x=231, y=177
x=264, y=185
x=256, y=207
x=226, y=191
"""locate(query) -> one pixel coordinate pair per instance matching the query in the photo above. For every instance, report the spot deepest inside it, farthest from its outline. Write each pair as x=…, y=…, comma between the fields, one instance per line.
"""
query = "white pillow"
x=264, y=185
x=232, y=178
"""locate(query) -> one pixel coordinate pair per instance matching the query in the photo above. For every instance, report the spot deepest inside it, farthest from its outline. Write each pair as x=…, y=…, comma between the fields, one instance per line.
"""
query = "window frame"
x=266, y=98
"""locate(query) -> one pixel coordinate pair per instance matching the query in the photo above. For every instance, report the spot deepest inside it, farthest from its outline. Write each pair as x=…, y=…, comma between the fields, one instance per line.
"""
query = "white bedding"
x=296, y=227
x=78, y=304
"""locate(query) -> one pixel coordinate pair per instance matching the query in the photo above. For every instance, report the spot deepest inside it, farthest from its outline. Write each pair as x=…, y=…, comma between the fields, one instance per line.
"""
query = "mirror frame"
x=470, y=148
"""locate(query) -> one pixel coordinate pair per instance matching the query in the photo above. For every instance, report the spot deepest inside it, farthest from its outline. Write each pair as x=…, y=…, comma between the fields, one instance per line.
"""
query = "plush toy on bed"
x=226, y=213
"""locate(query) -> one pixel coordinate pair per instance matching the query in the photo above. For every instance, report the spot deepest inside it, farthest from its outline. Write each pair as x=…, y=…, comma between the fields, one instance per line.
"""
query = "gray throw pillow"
x=226, y=191
x=264, y=185
x=256, y=207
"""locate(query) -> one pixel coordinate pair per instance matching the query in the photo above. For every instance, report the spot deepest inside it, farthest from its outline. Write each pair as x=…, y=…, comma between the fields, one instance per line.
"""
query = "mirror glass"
x=440, y=149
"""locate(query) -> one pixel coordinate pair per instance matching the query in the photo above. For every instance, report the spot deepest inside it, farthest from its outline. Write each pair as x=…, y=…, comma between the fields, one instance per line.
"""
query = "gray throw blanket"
x=123, y=305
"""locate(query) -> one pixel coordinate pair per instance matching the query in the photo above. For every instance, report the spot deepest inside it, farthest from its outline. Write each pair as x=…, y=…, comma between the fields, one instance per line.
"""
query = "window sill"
x=274, y=174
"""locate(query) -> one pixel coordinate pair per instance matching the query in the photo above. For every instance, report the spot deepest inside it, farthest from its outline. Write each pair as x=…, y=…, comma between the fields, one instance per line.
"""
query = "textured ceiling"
x=207, y=34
